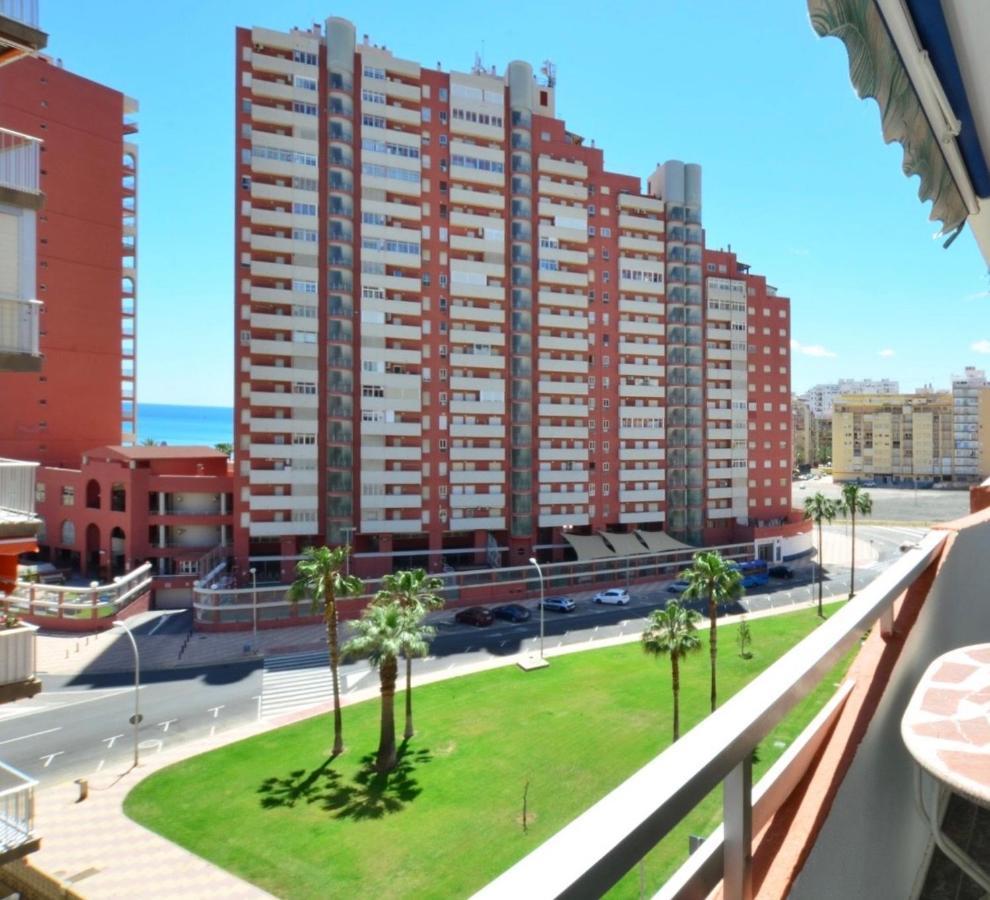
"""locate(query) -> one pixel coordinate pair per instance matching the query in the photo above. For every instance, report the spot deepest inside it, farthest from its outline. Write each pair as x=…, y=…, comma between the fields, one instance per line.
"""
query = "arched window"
x=68, y=533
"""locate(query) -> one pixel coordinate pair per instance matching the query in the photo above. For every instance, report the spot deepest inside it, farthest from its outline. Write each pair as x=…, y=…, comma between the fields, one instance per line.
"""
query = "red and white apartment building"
x=457, y=331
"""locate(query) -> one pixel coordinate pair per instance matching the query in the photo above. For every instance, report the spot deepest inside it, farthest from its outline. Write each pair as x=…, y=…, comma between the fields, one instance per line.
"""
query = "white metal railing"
x=16, y=809
x=19, y=326
x=68, y=602
x=588, y=856
x=17, y=486
x=20, y=161
x=223, y=601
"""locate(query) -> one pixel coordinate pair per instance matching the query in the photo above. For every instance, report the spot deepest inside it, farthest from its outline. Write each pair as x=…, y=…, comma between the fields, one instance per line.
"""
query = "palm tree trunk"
x=713, y=645
x=409, y=732
x=387, y=759
x=821, y=569
x=676, y=678
x=852, y=568
x=330, y=613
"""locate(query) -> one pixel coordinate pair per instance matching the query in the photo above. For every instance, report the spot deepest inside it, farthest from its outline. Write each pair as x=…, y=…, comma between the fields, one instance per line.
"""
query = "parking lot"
x=894, y=504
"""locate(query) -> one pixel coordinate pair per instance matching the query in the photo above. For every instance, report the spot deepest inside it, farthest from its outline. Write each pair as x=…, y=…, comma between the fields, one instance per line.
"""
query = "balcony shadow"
x=369, y=795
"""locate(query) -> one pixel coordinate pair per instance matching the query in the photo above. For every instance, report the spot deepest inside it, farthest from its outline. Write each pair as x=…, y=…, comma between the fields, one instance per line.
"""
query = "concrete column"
x=436, y=557
x=223, y=504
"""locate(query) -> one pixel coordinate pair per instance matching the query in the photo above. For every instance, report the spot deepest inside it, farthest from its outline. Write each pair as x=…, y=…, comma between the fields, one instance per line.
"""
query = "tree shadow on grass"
x=369, y=795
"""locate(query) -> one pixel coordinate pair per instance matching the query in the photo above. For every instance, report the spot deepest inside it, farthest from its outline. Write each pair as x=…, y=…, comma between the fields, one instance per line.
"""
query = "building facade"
x=821, y=397
x=459, y=334
x=78, y=292
x=969, y=391
x=171, y=506
x=900, y=438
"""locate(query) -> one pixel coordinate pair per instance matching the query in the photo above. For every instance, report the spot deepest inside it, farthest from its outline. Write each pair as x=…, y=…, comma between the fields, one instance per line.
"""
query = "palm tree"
x=320, y=575
x=714, y=578
x=415, y=591
x=384, y=631
x=854, y=500
x=225, y=447
x=819, y=509
x=671, y=632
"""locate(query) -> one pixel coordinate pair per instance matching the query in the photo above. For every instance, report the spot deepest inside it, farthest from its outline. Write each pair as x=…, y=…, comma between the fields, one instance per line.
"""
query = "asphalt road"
x=894, y=504
x=80, y=725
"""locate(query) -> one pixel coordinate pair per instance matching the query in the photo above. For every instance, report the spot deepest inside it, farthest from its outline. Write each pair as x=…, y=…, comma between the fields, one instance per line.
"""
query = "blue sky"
x=796, y=175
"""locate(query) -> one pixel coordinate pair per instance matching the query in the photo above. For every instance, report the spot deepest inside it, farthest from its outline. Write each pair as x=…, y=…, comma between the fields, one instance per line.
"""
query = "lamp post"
x=348, y=534
x=254, y=608
x=539, y=571
x=136, y=718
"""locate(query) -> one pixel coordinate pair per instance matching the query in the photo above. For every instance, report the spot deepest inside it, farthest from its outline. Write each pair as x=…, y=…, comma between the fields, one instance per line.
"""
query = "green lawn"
x=275, y=810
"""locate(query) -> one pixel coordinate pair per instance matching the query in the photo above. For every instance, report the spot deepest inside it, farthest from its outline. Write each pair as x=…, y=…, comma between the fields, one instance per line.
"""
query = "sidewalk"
x=100, y=853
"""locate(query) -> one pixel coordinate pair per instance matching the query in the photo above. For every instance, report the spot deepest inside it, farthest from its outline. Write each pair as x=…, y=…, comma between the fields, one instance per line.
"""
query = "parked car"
x=475, y=615
x=511, y=612
x=780, y=572
x=679, y=586
x=559, y=604
x=613, y=596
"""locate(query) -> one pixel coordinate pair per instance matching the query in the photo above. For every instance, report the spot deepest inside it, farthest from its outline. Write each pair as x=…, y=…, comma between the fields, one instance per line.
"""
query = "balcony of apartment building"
x=20, y=34
x=19, y=525
x=196, y=507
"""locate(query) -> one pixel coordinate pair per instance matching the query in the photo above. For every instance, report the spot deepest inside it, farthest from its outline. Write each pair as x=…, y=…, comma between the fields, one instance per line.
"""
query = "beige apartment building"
x=893, y=438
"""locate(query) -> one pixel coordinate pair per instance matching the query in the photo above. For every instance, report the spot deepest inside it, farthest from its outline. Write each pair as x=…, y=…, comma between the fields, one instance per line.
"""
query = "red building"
x=460, y=337
x=83, y=267
x=171, y=506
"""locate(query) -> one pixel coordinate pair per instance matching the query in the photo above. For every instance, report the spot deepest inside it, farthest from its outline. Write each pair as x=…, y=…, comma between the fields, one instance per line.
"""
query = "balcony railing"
x=17, y=837
x=23, y=11
x=593, y=852
x=19, y=327
x=17, y=486
x=20, y=160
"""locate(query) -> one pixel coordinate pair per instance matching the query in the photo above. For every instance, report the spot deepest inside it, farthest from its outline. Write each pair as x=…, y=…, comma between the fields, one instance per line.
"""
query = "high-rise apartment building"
x=821, y=397
x=79, y=393
x=457, y=331
x=893, y=438
x=967, y=391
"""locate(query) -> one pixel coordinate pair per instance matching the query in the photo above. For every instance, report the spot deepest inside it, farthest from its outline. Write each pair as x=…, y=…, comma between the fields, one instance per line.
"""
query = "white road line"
x=164, y=725
x=215, y=710
x=24, y=737
x=14, y=713
x=48, y=759
x=99, y=768
x=110, y=741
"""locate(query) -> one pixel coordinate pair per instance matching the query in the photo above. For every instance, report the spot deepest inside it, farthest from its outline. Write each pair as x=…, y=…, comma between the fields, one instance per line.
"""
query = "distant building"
x=821, y=397
x=893, y=438
x=170, y=506
x=460, y=335
x=969, y=391
x=76, y=284
x=805, y=434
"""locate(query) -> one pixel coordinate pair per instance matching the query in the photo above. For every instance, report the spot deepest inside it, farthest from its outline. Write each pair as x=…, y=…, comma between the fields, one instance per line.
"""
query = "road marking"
x=48, y=759
x=213, y=730
x=24, y=737
x=50, y=707
x=152, y=744
x=110, y=741
x=164, y=725
x=157, y=625
x=215, y=710
x=99, y=768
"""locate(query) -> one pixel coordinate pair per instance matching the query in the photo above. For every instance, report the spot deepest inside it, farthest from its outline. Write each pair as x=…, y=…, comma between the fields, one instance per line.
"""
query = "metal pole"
x=539, y=572
x=137, y=687
x=254, y=608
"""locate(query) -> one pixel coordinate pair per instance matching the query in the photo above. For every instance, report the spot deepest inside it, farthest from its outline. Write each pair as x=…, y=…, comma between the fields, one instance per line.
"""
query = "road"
x=79, y=725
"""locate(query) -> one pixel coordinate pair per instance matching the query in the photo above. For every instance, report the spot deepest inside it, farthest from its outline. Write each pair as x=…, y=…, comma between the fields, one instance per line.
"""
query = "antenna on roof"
x=479, y=67
x=549, y=71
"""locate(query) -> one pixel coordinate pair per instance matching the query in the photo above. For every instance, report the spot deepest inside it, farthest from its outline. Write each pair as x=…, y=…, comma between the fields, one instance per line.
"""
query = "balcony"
x=19, y=32
x=17, y=517
x=20, y=162
x=17, y=664
x=19, y=335
x=17, y=836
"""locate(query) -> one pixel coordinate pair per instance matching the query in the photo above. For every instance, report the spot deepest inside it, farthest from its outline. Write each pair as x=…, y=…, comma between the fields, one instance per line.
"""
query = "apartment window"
x=39, y=492
x=68, y=496
x=443, y=94
x=443, y=443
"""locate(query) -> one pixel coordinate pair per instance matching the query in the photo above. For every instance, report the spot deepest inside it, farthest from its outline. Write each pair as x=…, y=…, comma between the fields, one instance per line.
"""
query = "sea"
x=172, y=425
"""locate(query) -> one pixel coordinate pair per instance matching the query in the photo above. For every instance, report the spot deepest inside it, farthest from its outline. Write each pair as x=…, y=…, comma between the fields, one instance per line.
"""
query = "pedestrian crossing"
x=300, y=681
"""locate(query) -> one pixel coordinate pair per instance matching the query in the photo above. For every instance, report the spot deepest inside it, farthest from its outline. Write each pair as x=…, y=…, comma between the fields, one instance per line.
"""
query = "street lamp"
x=539, y=571
x=136, y=718
x=254, y=608
x=348, y=533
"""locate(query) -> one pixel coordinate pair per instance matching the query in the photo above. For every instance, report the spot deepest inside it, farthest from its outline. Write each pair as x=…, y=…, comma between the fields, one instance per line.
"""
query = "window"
x=426, y=114
x=68, y=496
x=307, y=84
x=68, y=532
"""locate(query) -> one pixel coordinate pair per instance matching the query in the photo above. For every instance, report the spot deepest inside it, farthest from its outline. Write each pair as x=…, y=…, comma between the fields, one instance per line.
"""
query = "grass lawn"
x=277, y=811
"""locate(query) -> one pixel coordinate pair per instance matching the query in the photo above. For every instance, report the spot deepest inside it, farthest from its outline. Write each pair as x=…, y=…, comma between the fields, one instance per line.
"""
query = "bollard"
x=83, y=784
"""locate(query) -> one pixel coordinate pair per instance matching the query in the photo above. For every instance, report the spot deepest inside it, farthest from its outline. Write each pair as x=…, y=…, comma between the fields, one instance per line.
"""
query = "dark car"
x=780, y=572
x=511, y=612
x=475, y=615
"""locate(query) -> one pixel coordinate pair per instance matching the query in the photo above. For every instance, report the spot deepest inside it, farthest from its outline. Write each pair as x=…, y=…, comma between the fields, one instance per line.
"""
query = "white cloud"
x=812, y=349
x=982, y=295
x=980, y=346
x=886, y=353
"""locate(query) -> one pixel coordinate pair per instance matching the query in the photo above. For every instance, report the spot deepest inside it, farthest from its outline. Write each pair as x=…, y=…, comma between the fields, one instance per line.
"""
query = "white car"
x=614, y=596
